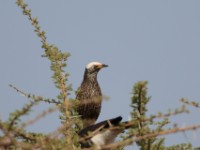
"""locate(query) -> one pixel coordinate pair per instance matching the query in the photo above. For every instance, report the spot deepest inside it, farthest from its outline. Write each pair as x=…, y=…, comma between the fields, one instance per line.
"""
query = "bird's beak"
x=104, y=65
x=101, y=66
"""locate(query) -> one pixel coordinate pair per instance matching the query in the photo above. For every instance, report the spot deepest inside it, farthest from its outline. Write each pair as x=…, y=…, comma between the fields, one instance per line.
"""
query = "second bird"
x=89, y=94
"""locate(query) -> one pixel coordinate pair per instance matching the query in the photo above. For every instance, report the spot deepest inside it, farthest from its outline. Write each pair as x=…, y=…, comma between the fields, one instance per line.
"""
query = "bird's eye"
x=96, y=67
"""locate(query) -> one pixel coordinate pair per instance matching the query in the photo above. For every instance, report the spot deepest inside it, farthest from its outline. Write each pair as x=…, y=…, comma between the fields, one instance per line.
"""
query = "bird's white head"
x=95, y=64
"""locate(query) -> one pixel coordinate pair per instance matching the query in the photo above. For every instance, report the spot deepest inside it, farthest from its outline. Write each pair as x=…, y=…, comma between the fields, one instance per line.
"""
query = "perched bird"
x=89, y=94
x=102, y=133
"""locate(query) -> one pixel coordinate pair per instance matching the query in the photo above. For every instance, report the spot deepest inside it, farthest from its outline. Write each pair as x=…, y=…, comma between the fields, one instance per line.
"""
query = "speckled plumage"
x=89, y=94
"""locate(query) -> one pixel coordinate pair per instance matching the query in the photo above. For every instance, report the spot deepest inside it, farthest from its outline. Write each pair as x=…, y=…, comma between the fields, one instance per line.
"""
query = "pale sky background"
x=155, y=40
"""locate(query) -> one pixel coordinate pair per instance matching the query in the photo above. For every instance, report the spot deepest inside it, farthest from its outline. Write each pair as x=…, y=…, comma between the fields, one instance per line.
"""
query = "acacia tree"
x=144, y=131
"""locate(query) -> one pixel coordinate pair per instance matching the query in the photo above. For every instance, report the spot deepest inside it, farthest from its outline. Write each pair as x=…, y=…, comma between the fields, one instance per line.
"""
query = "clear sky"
x=157, y=41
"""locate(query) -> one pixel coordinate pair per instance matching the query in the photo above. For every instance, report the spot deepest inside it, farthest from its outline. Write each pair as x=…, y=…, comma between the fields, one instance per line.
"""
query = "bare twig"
x=39, y=116
x=91, y=134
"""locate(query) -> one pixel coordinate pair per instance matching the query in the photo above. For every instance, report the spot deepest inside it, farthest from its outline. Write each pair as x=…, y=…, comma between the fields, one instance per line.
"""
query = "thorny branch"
x=56, y=57
x=34, y=21
x=35, y=98
x=192, y=103
x=19, y=113
x=133, y=139
x=39, y=116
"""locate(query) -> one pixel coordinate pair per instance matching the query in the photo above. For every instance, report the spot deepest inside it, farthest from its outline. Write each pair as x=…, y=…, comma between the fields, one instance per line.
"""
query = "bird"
x=89, y=94
x=102, y=133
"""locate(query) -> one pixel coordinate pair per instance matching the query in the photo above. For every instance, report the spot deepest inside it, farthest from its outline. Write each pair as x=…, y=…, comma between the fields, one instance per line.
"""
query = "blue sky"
x=157, y=41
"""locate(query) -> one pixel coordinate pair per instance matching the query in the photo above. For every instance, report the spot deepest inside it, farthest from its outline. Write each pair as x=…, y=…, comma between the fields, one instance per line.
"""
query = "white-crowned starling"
x=89, y=94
